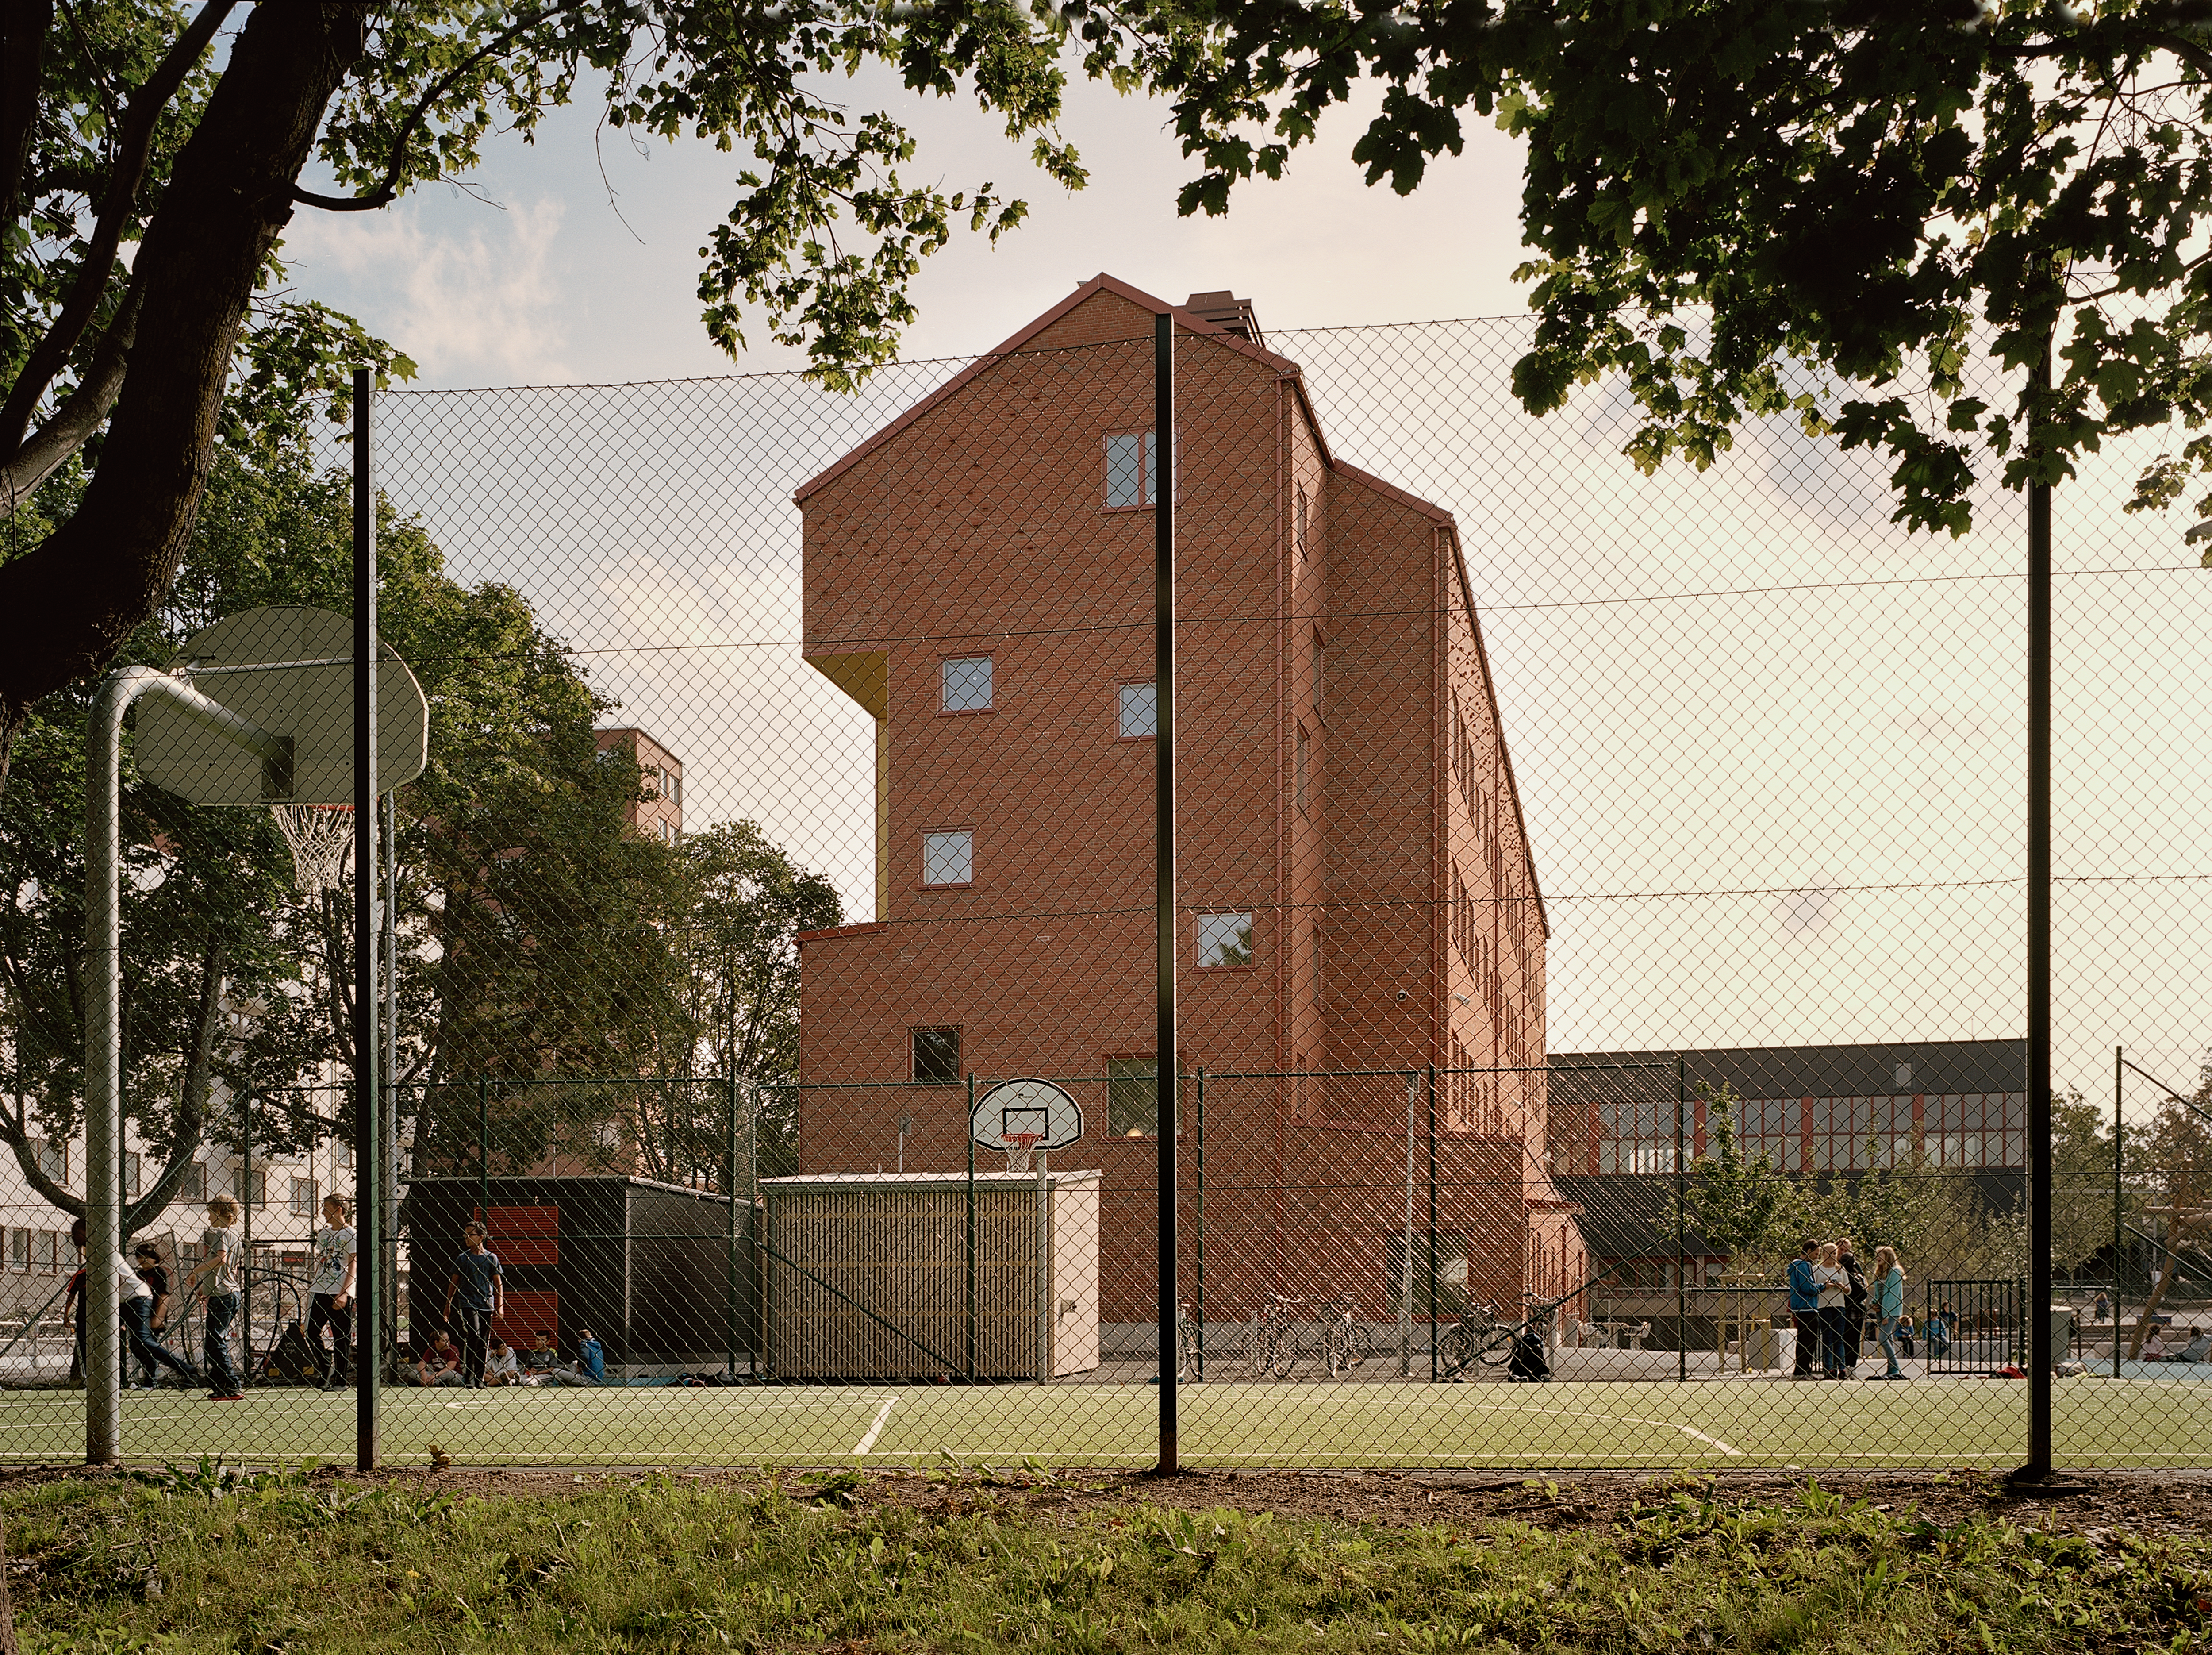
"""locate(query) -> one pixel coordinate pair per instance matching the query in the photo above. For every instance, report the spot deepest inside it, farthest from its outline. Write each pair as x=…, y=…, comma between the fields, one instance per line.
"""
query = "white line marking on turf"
x=1725, y=1448
x=877, y=1429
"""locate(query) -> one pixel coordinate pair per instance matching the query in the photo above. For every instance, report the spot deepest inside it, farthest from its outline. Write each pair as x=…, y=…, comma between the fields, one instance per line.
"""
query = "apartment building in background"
x=1358, y=897
x=659, y=812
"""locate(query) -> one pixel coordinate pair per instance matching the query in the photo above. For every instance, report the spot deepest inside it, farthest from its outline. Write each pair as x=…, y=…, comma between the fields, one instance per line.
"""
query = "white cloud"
x=478, y=299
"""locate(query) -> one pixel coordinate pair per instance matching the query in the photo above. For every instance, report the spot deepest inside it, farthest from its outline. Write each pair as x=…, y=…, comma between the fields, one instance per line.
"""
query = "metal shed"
x=873, y=1276
x=662, y=1274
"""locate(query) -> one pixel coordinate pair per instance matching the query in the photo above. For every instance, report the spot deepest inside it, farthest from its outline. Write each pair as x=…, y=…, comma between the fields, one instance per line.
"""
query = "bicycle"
x=1478, y=1336
x=1345, y=1341
x=1271, y=1347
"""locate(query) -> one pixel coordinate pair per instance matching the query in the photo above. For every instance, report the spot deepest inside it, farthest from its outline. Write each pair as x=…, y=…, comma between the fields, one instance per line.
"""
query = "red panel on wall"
x=526, y=1314
x=525, y=1235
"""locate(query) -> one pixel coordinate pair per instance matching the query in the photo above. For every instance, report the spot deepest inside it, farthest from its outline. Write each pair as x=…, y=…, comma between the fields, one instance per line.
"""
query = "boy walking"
x=331, y=1294
x=475, y=1297
x=216, y=1277
x=146, y=1338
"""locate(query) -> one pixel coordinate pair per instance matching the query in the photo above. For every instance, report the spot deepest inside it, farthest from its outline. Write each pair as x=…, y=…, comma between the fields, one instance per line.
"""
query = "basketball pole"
x=1163, y=854
x=369, y=1171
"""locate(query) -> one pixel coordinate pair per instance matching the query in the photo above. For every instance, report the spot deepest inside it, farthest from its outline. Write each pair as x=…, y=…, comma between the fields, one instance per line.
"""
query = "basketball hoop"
x=1022, y=1150
x=321, y=838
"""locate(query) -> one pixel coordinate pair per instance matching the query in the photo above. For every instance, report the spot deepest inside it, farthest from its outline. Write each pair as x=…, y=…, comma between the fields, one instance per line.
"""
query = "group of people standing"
x=143, y=1289
x=1830, y=1300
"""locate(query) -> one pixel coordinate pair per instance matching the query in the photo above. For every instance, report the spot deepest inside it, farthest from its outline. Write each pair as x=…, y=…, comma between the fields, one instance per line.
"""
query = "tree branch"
x=388, y=191
x=134, y=145
x=47, y=449
x=23, y=25
x=67, y=603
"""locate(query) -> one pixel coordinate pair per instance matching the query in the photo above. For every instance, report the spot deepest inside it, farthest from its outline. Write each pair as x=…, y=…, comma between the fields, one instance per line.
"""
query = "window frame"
x=944, y=663
x=1148, y=470
x=1299, y=524
x=913, y=1033
x=925, y=882
x=1250, y=963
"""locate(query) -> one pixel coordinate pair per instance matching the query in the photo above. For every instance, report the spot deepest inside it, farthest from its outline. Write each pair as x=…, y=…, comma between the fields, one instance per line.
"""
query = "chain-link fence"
x=1598, y=964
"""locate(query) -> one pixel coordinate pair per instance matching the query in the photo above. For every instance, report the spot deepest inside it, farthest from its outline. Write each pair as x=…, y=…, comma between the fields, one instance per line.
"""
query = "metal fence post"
x=367, y=930
x=1406, y=1277
x=246, y=1234
x=968, y=1131
x=1432, y=1218
x=730, y=1219
x=2120, y=1199
x=1198, y=1336
x=1165, y=1063
x=484, y=1150
x=2040, y=1357
x=1681, y=1227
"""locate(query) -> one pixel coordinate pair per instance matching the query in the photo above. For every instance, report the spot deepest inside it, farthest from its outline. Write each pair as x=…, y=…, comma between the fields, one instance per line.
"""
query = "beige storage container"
x=872, y=1275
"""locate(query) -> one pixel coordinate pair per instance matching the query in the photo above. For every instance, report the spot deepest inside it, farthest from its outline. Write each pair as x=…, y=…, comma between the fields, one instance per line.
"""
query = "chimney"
x=1228, y=313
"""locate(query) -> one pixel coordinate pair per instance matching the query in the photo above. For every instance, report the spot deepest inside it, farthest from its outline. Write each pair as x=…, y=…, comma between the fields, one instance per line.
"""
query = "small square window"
x=1140, y=711
x=1133, y=1097
x=1224, y=939
x=966, y=684
x=936, y=1056
x=303, y=1198
x=948, y=858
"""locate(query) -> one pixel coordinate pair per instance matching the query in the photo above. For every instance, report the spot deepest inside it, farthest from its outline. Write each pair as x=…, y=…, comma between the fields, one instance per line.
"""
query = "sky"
x=575, y=260
x=1769, y=746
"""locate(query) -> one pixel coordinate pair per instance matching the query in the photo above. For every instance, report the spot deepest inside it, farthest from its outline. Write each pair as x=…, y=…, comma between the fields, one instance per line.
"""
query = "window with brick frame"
x=1132, y=470
x=1138, y=714
x=936, y=1055
x=1224, y=939
x=1133, y=1097
x=965, y=685
x=948, y=859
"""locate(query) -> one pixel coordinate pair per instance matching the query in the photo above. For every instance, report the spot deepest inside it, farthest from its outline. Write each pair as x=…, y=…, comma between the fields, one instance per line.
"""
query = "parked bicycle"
x=1272, y=1346
x=1480, y=1336
x=1345, y=1341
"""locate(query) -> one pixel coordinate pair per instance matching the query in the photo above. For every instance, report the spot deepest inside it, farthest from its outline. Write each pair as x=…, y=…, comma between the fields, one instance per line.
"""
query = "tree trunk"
x=68, y=604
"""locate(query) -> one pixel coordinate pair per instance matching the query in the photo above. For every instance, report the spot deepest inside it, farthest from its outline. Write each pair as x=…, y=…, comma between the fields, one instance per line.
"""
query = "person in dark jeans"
x=144, y=1318
x=216, y=1275
x=1805, y=1308
x=330, y=1294
x=73, y=1303
x=474, y=1300
x=1855, y=1308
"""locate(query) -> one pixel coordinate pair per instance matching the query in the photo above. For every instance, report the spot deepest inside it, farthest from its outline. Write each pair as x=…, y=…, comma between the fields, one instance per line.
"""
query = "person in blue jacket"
x=590, y=1367
x=1805, y=1308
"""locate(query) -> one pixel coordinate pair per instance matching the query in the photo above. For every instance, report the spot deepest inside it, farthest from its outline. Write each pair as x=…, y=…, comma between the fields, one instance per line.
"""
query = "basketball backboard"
x=1026, y=1108
x=289, y=671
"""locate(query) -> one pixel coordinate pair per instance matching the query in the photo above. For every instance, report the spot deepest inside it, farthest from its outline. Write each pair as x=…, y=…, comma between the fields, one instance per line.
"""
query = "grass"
x=200, y=1558
x=1970, y=1422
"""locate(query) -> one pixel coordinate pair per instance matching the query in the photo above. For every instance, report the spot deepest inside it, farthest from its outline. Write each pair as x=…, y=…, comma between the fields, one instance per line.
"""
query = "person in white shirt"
x=499, y=1366
x=330, y=1289
x=136, y=1301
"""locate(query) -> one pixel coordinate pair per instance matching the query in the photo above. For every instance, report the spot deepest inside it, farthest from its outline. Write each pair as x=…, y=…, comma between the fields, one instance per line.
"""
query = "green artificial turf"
x=1971, y=1421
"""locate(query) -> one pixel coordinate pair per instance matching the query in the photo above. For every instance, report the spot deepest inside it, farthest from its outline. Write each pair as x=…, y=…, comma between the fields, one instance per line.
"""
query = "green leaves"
x=1874, y=194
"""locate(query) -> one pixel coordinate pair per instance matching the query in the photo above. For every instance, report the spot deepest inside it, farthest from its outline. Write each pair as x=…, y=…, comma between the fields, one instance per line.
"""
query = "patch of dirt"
x=2145, y=1503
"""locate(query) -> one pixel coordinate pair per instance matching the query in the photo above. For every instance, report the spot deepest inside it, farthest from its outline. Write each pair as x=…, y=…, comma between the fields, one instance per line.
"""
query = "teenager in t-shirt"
x=475, y=1296
x=217, y=1276
x=330, y=1289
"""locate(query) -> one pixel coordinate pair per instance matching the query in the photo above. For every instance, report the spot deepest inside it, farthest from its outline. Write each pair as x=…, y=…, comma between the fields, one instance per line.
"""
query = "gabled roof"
x=1189, y=321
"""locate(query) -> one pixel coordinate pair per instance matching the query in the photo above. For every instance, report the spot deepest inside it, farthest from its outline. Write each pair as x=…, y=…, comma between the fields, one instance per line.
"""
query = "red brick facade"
x=1345, y=784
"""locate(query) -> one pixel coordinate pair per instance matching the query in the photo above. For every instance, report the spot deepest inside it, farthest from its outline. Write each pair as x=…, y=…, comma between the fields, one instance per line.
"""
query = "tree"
x=148, y=174
x=1747, y=208
x=1746, y=1210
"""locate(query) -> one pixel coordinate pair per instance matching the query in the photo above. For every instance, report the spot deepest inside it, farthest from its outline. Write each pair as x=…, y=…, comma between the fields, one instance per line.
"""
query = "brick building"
x=659, y=811
x=1357, y=886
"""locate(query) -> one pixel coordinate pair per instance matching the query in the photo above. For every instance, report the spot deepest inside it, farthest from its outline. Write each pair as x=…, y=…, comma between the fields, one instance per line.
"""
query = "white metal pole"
x=103, y=1022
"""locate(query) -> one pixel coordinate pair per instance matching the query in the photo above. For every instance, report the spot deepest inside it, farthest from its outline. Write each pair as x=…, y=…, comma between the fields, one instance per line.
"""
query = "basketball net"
x=1022, y=1150
x=321, y=838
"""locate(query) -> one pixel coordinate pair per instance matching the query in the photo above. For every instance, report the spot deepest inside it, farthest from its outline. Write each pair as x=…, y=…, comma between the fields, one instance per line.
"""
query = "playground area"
x=1566, y=1425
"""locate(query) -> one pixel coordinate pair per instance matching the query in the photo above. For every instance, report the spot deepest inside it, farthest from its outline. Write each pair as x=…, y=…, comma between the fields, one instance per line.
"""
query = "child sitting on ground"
x=499, y=1366
x=441, y=1364
x=539, y=1361
x=590, y=1367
